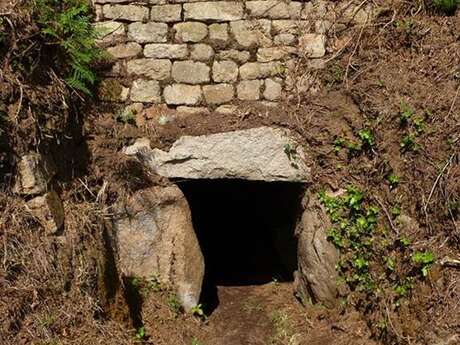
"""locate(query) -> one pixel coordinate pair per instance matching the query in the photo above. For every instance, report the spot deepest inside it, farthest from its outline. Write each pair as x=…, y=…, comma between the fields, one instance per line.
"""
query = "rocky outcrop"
x=48, y=210
x=34, y=172
x=156, y=238
x=264, y=154
x=316, y=276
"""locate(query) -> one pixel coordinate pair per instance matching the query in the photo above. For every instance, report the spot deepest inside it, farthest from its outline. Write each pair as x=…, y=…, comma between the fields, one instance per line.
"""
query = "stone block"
x=201, y=52
x=322, y=26
x=177, y=94
x=166, y=51
x=214, y=11
x=148, y=32
x=313, y=45
x=218, y=34
x=274, y=9
x=109, y=1
x=272, y=90
x=157, y=69
x=111, y=90
x=48, y=210
x=218, y=94
x=254, y=33
x=239, y=56
x=190, y=31
x=227, y=109
x=166, y=13
x=274, y=53
x=131, y=13
x=259, y=70
x=288, y=26
x=284, y=39
x=34, y=172
x=224, y=71
x=99, y=13
x=145, y=91
x=125, y=50
x=190, y=72
x=249, y=90
x=110, y=32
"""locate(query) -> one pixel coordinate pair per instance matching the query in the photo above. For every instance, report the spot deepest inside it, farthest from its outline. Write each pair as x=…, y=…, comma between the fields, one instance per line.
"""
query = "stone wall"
x=207, y=53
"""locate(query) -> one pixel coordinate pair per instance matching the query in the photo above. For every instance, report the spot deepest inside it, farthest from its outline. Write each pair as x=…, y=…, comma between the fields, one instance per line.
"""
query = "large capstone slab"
x=258, y=154
x=155, y=237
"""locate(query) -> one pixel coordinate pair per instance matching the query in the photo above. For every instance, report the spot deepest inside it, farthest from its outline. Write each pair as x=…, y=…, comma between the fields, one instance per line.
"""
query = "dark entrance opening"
x=246, y=231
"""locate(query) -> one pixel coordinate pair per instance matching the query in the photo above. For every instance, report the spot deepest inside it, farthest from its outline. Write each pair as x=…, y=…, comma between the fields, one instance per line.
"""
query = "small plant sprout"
x=174, y=304
x=367, y=138
x=339, y=143
x=390, y=263
x=135, y=281
x=393, y=180
x=424, y=261
x=291, y=153
x=404, y=242
x=419, y=124
x=126, y=116
x=408, y=143
x=405, y=112
x=402, y=289
x=198, y=311
x=154, y=284
x=140, y=333
x=195, y=341
x=396, y=211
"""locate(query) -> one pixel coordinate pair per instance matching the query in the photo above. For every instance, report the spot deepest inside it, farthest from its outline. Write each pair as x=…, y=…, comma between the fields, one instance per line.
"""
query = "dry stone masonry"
x=207, y=53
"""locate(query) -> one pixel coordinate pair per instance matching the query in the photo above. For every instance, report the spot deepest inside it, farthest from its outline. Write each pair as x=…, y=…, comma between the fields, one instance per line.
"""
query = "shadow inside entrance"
x=245, y=230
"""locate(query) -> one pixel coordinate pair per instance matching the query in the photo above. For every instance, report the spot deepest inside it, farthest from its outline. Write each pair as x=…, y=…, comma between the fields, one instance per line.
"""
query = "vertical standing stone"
x=156, y=237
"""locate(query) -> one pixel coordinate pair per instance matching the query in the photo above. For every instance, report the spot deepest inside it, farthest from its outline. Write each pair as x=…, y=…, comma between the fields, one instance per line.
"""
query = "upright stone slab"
x=155, y=236
x=316, y=276
x=264, y=154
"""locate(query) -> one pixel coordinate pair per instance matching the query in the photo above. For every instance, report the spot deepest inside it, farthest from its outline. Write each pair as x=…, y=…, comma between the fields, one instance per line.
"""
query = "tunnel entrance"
x=245, y=230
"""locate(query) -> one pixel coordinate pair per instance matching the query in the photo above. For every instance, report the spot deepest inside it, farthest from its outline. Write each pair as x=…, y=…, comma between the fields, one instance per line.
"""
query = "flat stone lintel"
x=258, y=154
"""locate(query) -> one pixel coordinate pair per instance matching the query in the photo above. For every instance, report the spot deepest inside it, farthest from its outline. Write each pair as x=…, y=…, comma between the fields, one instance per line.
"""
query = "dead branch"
x=449, y=161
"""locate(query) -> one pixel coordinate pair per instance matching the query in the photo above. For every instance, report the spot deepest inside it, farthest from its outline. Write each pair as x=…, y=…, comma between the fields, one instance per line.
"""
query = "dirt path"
x=251, y=315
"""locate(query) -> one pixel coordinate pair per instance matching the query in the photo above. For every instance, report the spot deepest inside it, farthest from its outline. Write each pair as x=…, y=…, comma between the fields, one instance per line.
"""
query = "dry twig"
x=449, y=161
